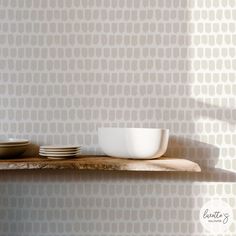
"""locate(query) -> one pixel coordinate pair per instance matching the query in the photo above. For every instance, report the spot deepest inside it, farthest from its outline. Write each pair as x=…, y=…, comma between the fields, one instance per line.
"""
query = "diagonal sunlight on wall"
x=212, y=81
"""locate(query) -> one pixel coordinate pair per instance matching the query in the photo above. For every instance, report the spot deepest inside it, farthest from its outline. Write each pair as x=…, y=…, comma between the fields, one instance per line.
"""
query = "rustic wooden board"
x=101, y=163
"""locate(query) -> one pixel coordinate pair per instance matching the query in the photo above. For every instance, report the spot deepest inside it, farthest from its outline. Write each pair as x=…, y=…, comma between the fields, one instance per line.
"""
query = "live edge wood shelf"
x=101, y=163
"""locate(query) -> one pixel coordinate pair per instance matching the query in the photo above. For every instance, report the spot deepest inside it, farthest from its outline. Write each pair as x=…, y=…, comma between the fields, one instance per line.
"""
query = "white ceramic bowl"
x=135, y=143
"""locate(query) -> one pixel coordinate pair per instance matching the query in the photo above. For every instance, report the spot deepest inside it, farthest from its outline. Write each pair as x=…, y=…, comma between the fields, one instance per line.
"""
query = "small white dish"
x=134, y=143
x=60, y=153
x=60, y=150
x=57, y=155
x=58, y=158
x=60, y=147
x=55, y=152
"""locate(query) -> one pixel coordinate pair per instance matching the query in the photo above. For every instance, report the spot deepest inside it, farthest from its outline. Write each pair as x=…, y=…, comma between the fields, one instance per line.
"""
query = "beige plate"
x=59, y=150
x=60, y=147
x=58, y=158
x=13, y=141
x=57, y=155
x=13, y=145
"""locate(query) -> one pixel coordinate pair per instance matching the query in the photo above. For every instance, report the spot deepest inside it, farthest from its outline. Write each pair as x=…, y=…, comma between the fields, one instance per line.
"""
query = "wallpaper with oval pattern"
x=68, y=67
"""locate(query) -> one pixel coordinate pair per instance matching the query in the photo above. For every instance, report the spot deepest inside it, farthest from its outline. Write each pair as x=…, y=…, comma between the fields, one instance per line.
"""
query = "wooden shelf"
x=101, y=163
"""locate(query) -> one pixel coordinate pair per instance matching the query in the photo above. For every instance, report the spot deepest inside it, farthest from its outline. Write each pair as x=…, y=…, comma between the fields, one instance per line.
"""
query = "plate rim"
x=60, y=147
x=12, y=141
x=58, y=155
x=13, y=145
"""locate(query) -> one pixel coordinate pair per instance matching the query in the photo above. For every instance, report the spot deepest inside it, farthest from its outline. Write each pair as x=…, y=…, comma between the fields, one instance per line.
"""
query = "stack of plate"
x=12, y=147
x=59, y=152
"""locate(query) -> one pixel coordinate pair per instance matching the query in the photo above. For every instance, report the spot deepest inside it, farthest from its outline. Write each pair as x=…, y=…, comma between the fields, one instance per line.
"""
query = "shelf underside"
x=101, y=163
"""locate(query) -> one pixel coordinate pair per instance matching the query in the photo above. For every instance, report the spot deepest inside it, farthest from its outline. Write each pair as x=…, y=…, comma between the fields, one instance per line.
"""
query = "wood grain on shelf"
x=101, y=163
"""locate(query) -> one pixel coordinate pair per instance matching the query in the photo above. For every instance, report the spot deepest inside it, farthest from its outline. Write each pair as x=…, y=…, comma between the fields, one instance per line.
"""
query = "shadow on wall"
x=215, y=112
x=181, y=64
x=206, y=155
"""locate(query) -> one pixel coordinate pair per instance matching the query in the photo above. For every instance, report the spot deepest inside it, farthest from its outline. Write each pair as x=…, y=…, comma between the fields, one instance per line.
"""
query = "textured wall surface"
x=70, y=66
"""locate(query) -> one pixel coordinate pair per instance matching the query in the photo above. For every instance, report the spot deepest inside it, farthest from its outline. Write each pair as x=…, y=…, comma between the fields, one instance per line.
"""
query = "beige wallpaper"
x=68, y=67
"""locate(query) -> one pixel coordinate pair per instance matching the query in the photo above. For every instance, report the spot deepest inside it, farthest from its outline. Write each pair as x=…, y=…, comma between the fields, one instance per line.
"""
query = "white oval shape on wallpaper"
x=216, y=216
